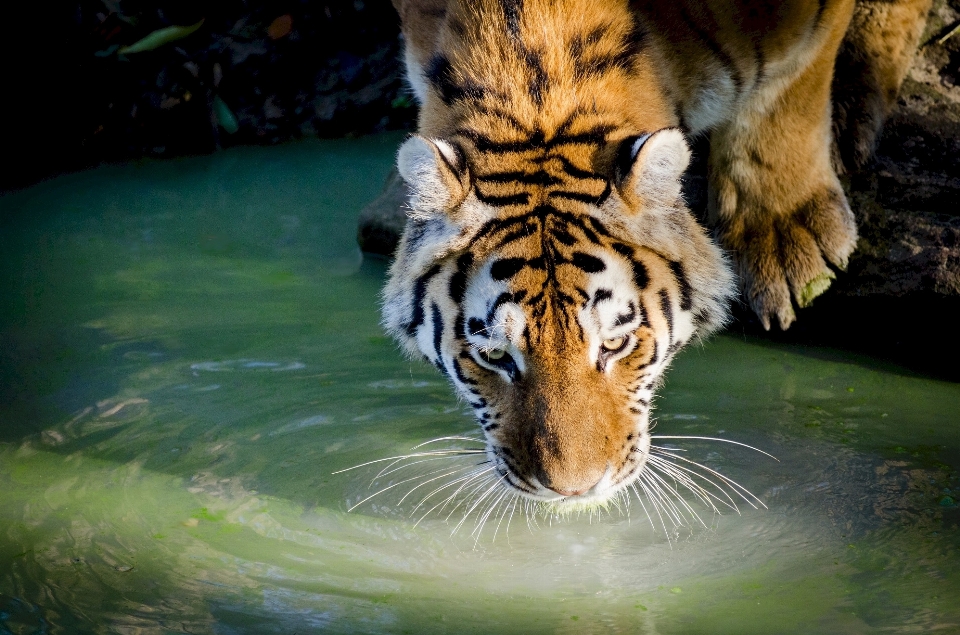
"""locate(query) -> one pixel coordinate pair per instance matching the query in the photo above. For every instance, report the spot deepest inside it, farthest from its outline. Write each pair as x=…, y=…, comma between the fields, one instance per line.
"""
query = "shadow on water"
x=915, y=336
x=190, y=349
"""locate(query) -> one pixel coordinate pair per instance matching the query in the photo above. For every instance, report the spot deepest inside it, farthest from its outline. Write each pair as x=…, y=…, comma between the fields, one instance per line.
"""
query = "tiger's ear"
x=649, y=168
x=436, y=172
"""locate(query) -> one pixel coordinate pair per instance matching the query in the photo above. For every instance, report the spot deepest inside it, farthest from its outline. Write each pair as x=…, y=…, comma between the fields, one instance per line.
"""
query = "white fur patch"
x=415, y=75
x=418, y=164
x=658, y=166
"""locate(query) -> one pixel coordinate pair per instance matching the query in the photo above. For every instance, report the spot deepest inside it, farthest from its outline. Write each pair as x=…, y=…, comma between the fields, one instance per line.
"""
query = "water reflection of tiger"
x=550, y=267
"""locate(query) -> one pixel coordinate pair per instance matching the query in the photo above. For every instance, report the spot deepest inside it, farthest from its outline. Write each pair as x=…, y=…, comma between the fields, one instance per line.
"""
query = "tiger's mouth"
x=615, y=480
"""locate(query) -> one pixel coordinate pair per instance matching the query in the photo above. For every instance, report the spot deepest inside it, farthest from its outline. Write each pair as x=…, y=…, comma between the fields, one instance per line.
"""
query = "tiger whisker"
x=678, y=471
x=476, y=503
x=464, y=481
x=507, y=507
x=468, y=496
x=703, y=495
x=736, y=487
x=526, y=514
x=660, y=436
x=436, y=478
x=483, y=515
x=663, y=483
x=452, y=438
x=443, y=487
x=494, y=504
x=633, y=486
x=385, y=471
x=669, y=507
x=450, y=452
x=656, y=508
x=389, y=487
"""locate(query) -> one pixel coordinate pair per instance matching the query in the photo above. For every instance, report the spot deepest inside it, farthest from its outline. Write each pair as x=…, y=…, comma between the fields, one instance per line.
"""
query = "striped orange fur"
x=551, y=267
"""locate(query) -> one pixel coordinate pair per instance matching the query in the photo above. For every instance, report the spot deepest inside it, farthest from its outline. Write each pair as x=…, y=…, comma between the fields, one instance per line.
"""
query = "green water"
x=189, y=349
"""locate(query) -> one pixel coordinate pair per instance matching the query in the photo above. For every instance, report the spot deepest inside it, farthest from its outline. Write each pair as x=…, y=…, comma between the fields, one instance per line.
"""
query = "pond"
x=190, y=350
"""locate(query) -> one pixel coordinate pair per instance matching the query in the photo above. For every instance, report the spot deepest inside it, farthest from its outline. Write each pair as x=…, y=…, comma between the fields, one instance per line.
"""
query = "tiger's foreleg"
x=872, y=63
x=775, y=197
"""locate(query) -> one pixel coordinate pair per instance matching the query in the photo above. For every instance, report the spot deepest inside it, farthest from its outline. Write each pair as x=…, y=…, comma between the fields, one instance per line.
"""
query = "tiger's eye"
x=495, y=353
x=614, y=343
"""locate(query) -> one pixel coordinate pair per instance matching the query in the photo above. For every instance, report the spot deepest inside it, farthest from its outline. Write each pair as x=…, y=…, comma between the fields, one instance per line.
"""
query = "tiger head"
x=553, y=295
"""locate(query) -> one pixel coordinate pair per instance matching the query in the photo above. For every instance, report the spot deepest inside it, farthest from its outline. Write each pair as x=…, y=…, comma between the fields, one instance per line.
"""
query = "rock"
x=382, y=221
x=908, y=203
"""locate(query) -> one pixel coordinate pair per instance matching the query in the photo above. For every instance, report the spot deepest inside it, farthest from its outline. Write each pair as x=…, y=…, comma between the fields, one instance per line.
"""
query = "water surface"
x=190, y=349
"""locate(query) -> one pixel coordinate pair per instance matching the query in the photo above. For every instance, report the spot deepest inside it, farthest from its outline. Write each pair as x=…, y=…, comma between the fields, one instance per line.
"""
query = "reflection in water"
x=190, y=350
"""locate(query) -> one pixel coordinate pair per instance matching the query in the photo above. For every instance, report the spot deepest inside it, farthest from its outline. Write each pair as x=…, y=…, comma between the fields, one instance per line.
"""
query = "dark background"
x=284, y=70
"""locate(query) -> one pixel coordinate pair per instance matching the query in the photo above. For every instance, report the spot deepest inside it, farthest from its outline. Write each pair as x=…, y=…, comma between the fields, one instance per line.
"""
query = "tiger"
x=550, y=266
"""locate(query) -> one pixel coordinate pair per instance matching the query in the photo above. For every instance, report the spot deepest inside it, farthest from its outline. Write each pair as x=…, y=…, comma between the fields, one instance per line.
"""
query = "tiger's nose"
x=571, y=491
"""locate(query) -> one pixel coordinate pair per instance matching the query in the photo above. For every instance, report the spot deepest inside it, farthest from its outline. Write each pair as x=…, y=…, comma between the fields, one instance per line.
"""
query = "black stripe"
x=760, y=63
x=631, y=46
x=540, y=177
x=540, y=214
x=506, y=268
x=458, y=371
x=437, y=331
x=583, y=197
x=502, y=201
x=441, y=76
x=641, y=277
x=511, y=14
x=563, y=236
x=458, y=281
x=667, y=308
x=686, y=293
x=598, y=227
x=700, y=318
x=602, y=294
x=587, y=263
x=626, y=318
x=574, y=171
x=503, y=115
x=821, y=7
x=456, y=26
x=523, y=232
x=539, y=83
x=596, y=136
x=476, y=326
x=419, y=292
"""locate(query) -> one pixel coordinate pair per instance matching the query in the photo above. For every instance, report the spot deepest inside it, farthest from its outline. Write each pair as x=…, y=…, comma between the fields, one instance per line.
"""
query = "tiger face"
x=553, y=298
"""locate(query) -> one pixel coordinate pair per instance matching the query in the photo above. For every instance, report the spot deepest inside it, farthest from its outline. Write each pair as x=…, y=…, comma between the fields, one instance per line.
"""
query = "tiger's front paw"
x=782, y=258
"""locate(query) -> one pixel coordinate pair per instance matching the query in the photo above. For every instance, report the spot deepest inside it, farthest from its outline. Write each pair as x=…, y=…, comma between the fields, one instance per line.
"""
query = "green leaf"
x=160, y=37
x=226, y=118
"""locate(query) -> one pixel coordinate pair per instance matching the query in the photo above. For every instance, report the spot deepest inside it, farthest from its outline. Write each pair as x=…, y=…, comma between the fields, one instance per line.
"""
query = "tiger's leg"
x=872, y=63
x=774, y=195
